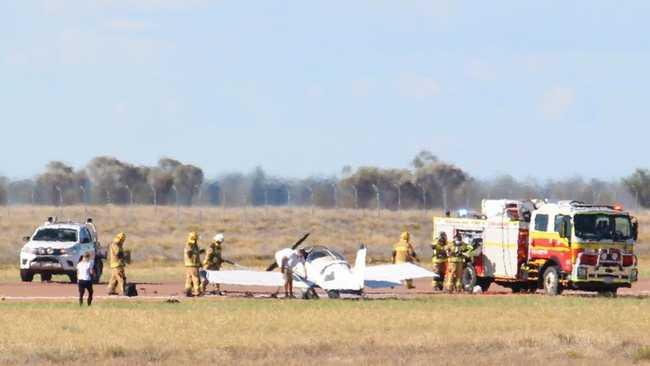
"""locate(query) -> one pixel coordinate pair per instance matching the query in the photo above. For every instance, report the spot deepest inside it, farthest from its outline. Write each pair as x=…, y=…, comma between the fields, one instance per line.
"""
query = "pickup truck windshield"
x=62, y=235
x=603, y=226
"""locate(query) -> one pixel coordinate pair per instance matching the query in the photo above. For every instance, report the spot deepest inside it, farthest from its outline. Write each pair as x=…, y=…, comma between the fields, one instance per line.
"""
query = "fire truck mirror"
x=635, y=229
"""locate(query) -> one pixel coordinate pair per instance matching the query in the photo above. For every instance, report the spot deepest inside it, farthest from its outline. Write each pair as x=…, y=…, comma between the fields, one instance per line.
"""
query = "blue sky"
x=546, y=89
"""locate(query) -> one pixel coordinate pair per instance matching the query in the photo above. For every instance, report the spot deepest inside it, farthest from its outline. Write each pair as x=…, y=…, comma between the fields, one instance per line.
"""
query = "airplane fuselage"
x=330, y=271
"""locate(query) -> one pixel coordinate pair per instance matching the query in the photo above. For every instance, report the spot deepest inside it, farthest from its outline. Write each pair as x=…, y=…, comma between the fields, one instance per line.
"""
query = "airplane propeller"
x=274, y=265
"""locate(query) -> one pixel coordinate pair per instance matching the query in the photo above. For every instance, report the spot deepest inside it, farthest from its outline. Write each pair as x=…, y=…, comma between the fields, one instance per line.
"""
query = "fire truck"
x=531, y=245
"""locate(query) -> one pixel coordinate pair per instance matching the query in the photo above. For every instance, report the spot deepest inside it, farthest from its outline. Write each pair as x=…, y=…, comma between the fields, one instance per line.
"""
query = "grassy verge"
x=252, y=234
x=147, y=272
x=483, y=330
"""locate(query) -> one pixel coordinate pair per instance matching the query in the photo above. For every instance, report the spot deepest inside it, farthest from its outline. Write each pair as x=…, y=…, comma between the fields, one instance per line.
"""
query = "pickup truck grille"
x=45, y=260
x=48, y=251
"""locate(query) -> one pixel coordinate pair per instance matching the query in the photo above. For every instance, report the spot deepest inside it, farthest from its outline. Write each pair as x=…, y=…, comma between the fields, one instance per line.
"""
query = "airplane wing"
x=251, y=278
x=390, y=275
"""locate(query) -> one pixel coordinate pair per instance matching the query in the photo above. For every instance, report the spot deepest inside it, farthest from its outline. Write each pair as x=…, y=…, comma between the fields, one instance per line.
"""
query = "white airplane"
x=328, y=270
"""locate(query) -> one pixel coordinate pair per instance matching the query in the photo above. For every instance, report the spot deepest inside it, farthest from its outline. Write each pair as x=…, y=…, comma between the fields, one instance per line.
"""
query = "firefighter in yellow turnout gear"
x=438, y=260
x=453, y=277
x=192, y=258
x=117, y=258
x=403, y=252
x=213, y=260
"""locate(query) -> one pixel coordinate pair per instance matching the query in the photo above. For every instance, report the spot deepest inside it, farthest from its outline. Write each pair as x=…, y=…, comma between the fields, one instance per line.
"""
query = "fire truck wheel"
x=469, y=278
x=551, y=279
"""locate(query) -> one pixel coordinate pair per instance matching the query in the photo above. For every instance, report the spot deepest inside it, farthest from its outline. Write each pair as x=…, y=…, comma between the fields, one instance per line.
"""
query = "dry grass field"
x=157, y=235
x=441, y=329
x=484, y=330
x=252, y=234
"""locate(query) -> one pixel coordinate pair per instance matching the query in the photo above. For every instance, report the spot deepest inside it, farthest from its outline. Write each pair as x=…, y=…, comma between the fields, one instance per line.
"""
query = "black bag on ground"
x=130, y=290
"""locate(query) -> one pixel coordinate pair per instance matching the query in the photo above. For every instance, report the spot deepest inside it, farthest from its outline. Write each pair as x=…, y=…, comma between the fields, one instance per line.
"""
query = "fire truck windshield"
x=603, y=227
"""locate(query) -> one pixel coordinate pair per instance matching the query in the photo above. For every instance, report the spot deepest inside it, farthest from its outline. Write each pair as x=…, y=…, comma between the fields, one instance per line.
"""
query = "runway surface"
x=65, y=290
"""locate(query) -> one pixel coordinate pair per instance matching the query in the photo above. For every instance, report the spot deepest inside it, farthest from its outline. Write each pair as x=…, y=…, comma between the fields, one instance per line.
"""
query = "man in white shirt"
x=85, y=273
x=287, y=260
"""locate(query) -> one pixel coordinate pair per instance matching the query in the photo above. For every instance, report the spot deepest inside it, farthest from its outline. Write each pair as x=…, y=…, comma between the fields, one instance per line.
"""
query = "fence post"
x=376, y=189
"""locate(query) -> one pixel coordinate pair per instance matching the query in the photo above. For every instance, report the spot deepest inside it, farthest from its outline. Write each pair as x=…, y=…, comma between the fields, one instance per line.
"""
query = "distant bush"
x=428, y=183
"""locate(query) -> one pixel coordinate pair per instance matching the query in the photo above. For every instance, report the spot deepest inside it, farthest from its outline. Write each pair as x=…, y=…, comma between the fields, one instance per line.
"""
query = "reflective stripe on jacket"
x=439, y=253
x=455, y=252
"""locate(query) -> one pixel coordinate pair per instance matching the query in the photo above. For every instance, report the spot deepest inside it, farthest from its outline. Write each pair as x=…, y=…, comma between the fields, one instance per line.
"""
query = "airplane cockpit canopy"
x=323, y=252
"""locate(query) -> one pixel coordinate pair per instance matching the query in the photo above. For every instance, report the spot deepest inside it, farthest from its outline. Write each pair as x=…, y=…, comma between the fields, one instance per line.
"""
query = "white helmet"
x=218, y=238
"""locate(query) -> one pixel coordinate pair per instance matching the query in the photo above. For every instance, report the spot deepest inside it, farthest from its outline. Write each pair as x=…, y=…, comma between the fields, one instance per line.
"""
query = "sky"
x=548, y=89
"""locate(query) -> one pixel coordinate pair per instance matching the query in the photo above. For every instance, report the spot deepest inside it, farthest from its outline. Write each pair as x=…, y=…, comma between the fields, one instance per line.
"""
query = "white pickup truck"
x=57, y=247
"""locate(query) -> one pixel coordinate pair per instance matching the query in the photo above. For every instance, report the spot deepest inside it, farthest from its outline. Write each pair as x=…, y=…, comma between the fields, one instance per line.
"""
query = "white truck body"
x=56, y=248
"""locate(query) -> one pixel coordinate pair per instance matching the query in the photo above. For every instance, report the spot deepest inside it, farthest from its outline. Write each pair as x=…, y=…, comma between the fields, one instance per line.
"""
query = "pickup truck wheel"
x=468, y=278
x=26, y=275
x=99, y=268
x=45, y=277
x=551, y=280
x=73, y=277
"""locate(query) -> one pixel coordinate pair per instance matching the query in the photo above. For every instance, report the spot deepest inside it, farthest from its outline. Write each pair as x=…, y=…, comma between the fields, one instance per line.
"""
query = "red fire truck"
x=530, y=245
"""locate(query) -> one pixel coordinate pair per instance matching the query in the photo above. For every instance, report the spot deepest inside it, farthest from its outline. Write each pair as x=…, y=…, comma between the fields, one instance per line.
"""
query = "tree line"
x=427, y=182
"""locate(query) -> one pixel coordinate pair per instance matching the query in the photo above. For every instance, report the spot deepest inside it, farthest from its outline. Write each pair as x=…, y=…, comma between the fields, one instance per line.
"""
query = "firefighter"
x=438, y=260
x=403, y=252
x=117, y=262
x=455, y=251
x=192, y=256
x=213, y=260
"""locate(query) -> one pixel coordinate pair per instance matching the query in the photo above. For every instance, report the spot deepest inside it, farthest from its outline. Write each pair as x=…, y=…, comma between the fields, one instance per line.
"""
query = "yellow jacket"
x=117, y=255
x=192, y=255
x=455, y=252
x=402, y=252
x=439, y=252
x=213, y=260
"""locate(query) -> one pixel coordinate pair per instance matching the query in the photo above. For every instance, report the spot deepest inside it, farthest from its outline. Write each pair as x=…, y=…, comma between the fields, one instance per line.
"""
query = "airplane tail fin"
x=360, y=265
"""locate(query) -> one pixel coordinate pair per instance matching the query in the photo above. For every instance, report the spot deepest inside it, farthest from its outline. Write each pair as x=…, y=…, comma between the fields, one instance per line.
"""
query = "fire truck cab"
x=528, y=245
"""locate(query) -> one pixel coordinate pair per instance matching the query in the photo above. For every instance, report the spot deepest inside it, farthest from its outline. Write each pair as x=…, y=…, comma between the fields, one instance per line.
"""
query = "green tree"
x=638, y=184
